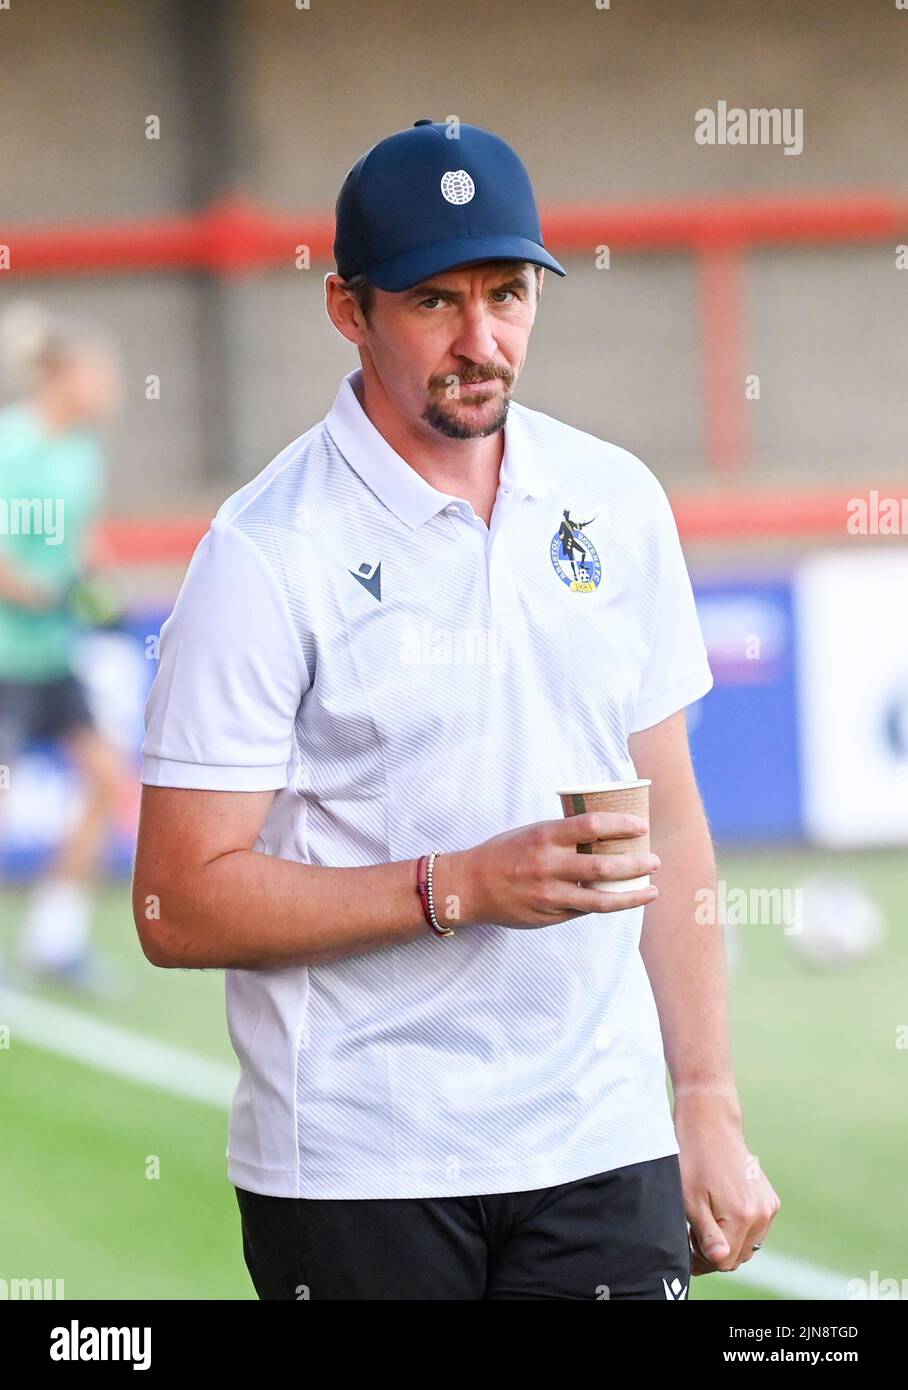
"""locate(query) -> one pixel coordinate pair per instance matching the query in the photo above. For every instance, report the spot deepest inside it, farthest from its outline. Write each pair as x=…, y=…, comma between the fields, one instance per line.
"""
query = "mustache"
x=462, y=380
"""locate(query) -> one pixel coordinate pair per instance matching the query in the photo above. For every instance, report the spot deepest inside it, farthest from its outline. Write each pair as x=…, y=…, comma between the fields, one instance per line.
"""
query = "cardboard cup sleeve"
x=629, y=797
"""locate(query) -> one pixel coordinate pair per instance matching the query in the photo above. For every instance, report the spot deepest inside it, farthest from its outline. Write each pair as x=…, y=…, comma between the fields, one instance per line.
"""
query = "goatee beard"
x=458, y=427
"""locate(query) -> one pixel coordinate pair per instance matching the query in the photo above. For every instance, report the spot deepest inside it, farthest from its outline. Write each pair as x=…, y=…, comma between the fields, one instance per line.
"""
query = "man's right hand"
x=534, y=876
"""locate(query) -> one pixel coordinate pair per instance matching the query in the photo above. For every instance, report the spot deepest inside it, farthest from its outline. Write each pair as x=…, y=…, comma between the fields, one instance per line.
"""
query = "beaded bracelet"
x=426, y=897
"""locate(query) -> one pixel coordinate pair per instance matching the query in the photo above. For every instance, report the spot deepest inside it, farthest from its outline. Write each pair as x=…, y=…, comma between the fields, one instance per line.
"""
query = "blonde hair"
x=34, y=342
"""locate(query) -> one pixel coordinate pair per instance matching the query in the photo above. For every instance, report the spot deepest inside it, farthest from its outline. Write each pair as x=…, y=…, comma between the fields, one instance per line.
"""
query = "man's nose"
x=476, y=338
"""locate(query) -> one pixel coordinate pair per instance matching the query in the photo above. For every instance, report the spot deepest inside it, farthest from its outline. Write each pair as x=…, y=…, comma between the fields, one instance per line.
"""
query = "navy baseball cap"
x=419, y=203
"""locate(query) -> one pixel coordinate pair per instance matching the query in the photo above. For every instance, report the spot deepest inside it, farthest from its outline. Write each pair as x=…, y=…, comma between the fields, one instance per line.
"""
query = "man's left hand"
x=729, y=1202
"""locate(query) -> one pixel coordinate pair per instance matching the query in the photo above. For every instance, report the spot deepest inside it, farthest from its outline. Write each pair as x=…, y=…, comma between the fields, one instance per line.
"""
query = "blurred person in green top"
x=66, y=382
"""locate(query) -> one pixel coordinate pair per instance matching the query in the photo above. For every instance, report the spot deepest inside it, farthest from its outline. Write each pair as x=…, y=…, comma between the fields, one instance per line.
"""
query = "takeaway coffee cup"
x=630, y=797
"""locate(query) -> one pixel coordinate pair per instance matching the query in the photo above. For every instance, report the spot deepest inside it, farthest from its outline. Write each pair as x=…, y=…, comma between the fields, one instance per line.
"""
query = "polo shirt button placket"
x=455, y=509
x=491, y=542
x=498, y=593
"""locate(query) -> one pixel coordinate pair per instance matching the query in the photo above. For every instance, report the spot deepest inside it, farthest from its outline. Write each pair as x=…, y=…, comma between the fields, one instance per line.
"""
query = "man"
x=452, y=1074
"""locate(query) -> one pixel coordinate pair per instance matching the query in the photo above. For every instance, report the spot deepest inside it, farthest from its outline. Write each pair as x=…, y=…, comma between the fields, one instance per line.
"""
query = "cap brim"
x=410, y=267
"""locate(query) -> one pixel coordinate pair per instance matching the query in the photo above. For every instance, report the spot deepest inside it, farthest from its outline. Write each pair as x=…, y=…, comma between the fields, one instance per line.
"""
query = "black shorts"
x=32, y=710
x=621, y=1234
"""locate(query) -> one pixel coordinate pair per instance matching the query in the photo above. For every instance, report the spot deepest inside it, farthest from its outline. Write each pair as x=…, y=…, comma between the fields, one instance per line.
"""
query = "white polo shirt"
x=406, y=679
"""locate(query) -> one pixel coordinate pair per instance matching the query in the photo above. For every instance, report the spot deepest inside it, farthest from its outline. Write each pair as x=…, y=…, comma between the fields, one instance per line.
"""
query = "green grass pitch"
x=823, y=1082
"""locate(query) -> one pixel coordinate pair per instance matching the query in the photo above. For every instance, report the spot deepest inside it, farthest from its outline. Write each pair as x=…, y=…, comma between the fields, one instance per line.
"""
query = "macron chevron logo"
x=675, y=1291
x=370, y=578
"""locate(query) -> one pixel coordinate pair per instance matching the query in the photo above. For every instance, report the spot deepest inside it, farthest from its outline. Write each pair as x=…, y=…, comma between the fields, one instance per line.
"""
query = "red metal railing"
x=700, y=517
x=236, y=237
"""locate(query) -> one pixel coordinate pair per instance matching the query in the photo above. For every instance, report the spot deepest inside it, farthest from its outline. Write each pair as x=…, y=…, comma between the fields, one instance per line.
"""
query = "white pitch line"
x=109, y=1048
x=790, y=1278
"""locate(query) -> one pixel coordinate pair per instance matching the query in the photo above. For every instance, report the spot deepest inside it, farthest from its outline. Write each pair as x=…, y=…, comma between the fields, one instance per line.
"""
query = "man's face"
x=450, y=351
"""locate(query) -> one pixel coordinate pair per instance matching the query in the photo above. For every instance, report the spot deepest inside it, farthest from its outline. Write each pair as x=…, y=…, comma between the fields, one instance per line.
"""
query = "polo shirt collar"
x=404, y=491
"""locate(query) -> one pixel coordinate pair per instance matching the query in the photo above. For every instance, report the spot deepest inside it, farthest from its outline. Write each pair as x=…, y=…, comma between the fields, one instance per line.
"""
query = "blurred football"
x=837, y=922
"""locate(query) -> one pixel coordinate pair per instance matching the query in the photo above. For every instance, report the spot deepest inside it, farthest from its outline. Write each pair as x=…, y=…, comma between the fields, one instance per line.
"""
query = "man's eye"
x=437, y=299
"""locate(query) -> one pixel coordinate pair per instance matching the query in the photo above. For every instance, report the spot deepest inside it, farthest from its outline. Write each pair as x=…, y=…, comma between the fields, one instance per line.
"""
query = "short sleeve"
x=231, y=674
x=676, y=671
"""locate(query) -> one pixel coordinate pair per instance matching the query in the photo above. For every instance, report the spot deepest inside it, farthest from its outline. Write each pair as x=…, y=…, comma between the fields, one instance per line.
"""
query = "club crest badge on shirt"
x=574, y=557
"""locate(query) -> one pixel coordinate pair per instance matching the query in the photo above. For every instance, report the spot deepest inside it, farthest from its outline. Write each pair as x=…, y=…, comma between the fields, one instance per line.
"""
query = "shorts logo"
x=457, y=187
x=574, y=557
x=675, y=1291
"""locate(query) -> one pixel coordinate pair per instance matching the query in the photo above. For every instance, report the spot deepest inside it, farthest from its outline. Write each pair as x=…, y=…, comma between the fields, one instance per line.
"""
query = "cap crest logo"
x=457, y=186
